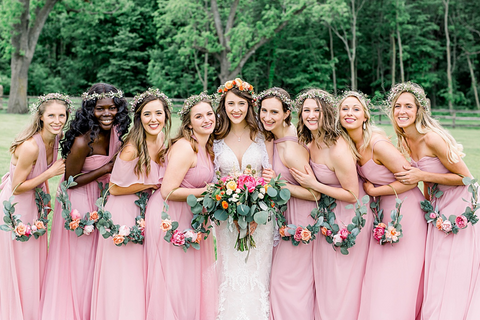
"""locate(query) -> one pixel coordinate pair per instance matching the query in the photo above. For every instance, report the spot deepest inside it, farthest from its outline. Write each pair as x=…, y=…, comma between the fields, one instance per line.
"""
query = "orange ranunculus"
x=238, y=81
x=306, y=235
x=272, y=204
x=93, y=216
x=220, y=90
x=218, y=197
x=240, y=88
x=39, y=224
x=224, y=204
x=250, y=88
x=324, y=231
x=382, y=225
x=166, y=225
x=266, y=187
x=20, y=229
x=118, y=239
x=141, y=223
x=74, y=224
x=222, y=192
x=282, y=231
x=439, y=223
x=229, y=85
x=225, y=89
x=199, y=237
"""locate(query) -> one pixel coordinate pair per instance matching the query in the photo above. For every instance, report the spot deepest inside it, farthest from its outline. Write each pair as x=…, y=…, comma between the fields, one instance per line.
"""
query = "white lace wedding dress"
x=243, y=286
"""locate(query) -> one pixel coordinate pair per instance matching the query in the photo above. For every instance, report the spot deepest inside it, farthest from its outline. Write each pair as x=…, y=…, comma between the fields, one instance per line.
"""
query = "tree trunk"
x=400, y=49
x=17, y=101
x=332, y=61
x=394, y=58
x=449, y=58
x=474, y=81
x=354, y=47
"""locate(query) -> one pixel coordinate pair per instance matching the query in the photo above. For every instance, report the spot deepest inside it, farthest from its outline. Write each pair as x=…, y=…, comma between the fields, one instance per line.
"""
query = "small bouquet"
x=392, y=232
x=240, y=199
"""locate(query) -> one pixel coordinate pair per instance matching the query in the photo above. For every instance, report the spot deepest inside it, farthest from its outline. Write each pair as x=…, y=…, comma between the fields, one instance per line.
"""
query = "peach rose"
x=232, y=185
x=93, y=216
x=283, y=231
x=74, y=224
x=118, y=239
x=438, y=224
x=382, y=225
x=324, y=231
x=141, y=223
x=20, y=229
x=229, y=85
x=306, y=235
x=238, y=81
x=39, y=225
x=199, y=237
x=166, y=225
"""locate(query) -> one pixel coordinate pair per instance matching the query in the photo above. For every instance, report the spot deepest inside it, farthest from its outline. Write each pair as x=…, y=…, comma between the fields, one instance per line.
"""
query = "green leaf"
x=365, y=199
x=78, y=232
x=284, y=194
x=192, y=200
x=243, y=209
x=195, y=245
x=220, y=214
x=261, y=217
x=242, y=223
x=272, y=192
x=344, y=250
x=4, y=227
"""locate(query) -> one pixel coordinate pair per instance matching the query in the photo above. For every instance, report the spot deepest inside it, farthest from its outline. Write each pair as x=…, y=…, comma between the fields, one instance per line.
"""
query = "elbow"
x=114, y=191
x=164, y=192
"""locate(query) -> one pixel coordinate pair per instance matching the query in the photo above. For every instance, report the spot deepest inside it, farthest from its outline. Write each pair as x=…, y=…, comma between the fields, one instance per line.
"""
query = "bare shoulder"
x=28, y=149
x=181, y=148
x=295, y=155
x=128, y=153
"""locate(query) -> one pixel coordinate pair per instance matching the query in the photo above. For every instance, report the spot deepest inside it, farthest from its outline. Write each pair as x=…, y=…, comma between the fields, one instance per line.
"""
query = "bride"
x=243, y=285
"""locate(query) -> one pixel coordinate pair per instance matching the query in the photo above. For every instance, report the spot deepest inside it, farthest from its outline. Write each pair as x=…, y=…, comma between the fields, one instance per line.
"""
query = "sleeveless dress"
x=180, y=285
x=452, y=262
x=243, y=286
x=394, y=275
x=338, y=275
x=119, y=282
x=67, y=288
x=292, y=287
x=22, y=264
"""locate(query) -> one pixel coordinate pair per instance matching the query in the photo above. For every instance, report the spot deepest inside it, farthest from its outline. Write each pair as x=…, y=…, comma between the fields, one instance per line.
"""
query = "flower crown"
x=411, y=87
x=51, y=96
x=357, y=94
x=275, y=93
x=138, y=99
x=103, y=95
x=312, y=94
x=237, y=83
x=192, y=101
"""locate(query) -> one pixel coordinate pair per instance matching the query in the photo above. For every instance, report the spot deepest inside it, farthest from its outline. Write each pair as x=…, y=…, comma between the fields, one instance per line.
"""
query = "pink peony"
x=246, y=181
x=298, y=234
x=75, y=214
x=260, y=181
x=461, y=221
x=178, y=239
x=378, y=233
x=88, y=229
x=337, y=239
x=28, y=231
x=226, y=178
x=344, y=233
x=447, y=226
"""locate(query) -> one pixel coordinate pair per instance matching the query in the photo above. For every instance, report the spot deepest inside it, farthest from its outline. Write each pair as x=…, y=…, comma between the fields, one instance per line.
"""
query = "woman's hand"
x=57, y=168
x=369, y=188
x=306, y=180
x=411, y=175
x=268, y=174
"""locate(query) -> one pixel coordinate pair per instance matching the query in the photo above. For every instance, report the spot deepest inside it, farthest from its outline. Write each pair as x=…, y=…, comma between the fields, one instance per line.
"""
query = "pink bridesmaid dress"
x=180, y=285
x=67, y=288
x=393, y=283
x=22, y=264
x=338, y=277
x=452, y=262
x=292, y=287
x=119, y=282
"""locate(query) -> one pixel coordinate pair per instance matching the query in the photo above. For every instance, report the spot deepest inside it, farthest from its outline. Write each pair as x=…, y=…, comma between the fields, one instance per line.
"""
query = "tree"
x=446, y=4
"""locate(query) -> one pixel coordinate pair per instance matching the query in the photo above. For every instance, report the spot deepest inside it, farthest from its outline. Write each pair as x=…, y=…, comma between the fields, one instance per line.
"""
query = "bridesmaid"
x=452, y=262
x=393, y=278
x=34, y=161
x=181, y=285
x=292, y=291
x=89, y=147
x=334, y=172
x=118, y=284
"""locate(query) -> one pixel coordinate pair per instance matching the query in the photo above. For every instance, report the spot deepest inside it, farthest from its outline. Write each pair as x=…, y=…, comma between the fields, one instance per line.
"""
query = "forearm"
x=132, y=189
x=85, y=178
x=181, y=194
x=30, y=184
x=388, y=189
x=450, y=179
x=337, y=193
x=300, y=192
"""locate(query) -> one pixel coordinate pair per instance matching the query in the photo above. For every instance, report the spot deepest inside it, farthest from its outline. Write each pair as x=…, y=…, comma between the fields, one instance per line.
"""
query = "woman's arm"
x=181, y=158
x=27, y=154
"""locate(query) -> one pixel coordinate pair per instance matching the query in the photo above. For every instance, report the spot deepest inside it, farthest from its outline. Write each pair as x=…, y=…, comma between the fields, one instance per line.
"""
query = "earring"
x=364, y=126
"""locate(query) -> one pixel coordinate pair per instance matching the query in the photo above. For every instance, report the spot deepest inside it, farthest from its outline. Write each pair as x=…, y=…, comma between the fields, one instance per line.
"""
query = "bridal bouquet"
x=242, y=200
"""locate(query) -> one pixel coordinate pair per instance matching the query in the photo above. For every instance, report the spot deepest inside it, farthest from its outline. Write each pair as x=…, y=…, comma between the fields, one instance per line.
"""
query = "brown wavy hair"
x=222, y=128
x=137, y=136
x=288, y=120
x=187, y=133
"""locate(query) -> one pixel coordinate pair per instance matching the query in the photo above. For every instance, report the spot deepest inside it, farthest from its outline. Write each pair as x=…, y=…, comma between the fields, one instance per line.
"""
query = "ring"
x=404, y=181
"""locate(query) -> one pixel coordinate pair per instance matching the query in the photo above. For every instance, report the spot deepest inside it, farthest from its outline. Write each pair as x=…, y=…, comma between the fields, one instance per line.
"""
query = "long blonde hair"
x=370, y=127
x=424, y=123
x=36, y=124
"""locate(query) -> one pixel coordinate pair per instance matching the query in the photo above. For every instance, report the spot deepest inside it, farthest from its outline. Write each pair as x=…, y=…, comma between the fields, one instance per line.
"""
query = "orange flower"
x=382, y=225
x=324, y=231
x=282, y=231
x=199, y=237
x=229, y=85
x=220, y=90
x=224, y=204
x=240, y=88
x=74, y=224
x=439, y=223
x=20, y=229
x=250, y=88
x=93, y=216
x=39, y=224
x=238, y=81
x=272, y=204
x=141, y=223
x=306, y=235
x=222, y=192
x=166, y=225
x=266, y=187
x=118, y=239
x=218, y=197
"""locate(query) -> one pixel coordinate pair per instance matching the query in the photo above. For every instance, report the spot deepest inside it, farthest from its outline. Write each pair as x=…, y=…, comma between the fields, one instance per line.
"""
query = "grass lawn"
x=13, y=124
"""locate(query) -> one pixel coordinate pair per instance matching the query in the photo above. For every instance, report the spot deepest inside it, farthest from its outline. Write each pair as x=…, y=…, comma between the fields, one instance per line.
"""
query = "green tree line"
x=187, y=46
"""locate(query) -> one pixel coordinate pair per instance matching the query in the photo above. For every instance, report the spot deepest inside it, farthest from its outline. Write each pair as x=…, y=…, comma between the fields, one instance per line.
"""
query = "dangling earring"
x=364, y=126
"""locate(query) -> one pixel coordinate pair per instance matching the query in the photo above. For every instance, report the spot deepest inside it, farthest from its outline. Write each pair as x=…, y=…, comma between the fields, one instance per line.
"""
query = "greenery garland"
x=23, y=232
x=392, y=232
x=454, y=223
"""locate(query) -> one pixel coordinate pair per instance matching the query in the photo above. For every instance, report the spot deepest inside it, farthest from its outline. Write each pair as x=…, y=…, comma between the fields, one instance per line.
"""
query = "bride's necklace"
x=239, y=137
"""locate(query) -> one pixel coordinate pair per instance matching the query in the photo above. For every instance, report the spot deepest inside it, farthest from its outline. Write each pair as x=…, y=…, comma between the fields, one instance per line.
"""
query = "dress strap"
x=287, y=138
x=373, y=147
x=42, y=152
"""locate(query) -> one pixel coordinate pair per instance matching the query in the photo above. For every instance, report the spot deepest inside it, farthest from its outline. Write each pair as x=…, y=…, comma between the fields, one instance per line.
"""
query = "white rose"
x=261, y=196
x=34, y=228
x=88, y=229
x=238, y=190
x=262, y=190
x=124, y=231
x=191, y=235
x=229, y=192
x=337, y=239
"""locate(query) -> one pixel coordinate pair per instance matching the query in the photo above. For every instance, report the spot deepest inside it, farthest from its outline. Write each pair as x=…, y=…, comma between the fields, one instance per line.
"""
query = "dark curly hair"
x=86, y=121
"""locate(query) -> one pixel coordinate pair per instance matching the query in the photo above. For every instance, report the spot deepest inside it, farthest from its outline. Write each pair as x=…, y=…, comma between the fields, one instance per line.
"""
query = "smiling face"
x=153, y=117
x=236, y=108
x=311, y=114
x=54, y=118
x=202, y=119
x=405, y=110
x=272, y=114
x=351, y=113
x=105, y=111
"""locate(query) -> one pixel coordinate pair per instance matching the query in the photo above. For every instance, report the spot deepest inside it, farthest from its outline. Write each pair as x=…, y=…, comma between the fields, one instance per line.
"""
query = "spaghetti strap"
x=377, y=142
x=288, y=138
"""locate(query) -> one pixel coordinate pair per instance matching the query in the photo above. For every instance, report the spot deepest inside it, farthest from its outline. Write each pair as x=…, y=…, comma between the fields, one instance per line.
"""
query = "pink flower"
x=378, y=233
x=432, y=215
x=461, y=221
x=75, y=214
x=226, y=178
x=447, y=226
x=88, y=229
x=178, y=239
x=190, y=234
x=34, y=228
x=260, y=181
x=337, y=239
x=246, y=181
x=124, y=231
x=28, y=231
x=344, y=233
x=392, y=234
x=298, y=234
